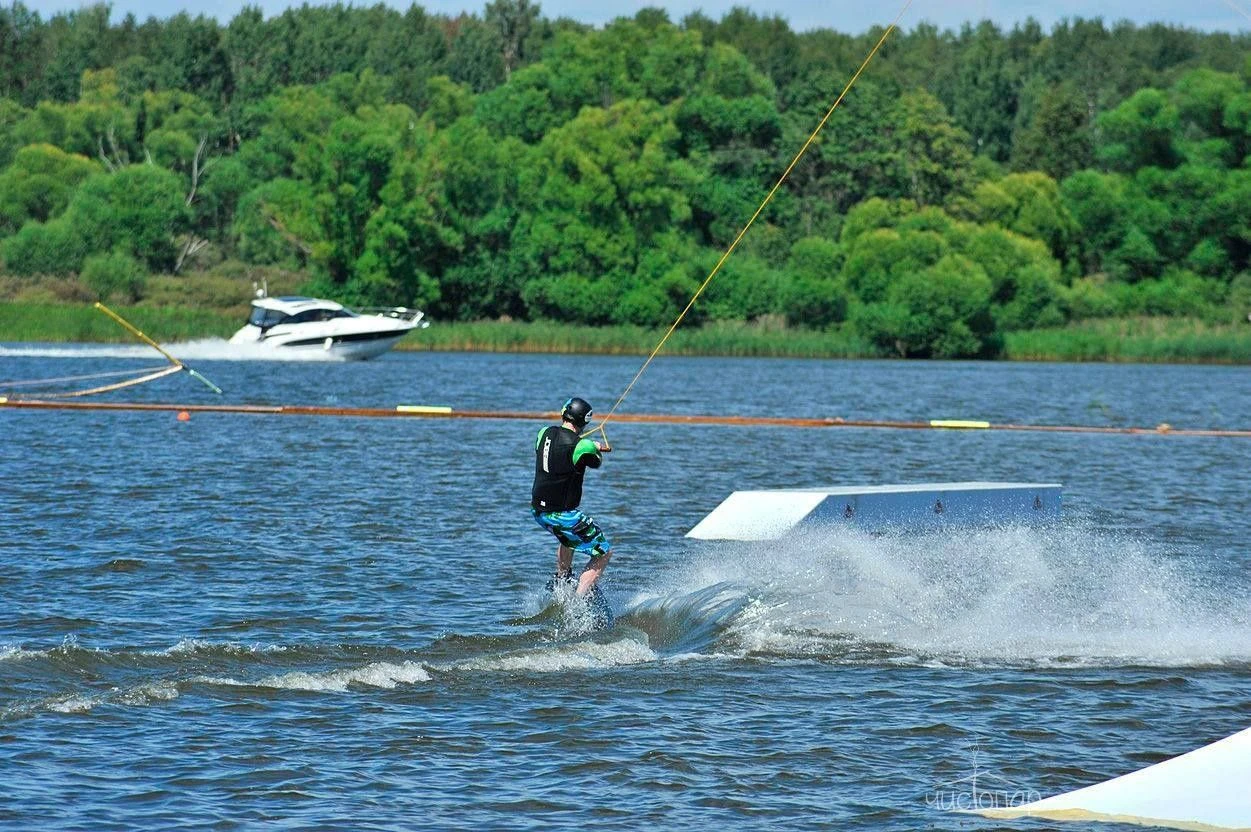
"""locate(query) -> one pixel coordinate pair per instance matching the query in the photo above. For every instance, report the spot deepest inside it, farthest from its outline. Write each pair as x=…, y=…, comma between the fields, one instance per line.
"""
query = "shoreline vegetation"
x=1130, y=340
x=982, y=192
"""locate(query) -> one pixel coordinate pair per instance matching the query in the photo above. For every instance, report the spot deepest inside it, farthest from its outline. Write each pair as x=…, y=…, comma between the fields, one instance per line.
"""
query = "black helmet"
x=576, y=411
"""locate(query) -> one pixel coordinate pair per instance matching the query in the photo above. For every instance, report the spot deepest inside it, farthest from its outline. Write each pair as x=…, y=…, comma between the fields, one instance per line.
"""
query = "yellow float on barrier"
x=421, y=408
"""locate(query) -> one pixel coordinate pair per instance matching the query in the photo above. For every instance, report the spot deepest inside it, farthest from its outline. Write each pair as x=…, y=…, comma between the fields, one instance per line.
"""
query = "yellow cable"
x=768, y=198
x=133, y=330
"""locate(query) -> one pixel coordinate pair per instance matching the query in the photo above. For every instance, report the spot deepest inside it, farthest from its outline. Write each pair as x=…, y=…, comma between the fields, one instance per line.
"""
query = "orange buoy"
x=184, y=416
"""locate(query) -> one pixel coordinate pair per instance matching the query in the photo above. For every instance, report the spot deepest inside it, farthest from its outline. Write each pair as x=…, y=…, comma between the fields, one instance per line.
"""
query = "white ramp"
x=1206, y=789
x=766, y=515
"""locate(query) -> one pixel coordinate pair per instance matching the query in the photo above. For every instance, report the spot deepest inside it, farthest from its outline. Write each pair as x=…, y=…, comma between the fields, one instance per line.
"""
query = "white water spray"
x=1064, y=596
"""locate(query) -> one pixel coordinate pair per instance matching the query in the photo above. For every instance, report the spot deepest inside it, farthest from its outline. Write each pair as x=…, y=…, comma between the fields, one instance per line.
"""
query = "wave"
x=374, y=674
x=126, y=675
x=687, y=622
x=204, y=648
x=161, y=690
x=9, y=651
x=82, y=702
x=68, y=652
x=72, y=655
x=554, y=658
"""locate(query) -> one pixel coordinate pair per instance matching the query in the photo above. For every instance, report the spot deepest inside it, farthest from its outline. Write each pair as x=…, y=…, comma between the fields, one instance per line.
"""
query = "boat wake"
x=76, y=351
x=1018, y=597
x=204, y=349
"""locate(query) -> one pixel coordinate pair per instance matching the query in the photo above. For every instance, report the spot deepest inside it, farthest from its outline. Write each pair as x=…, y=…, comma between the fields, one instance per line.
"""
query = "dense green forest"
x=506, y=165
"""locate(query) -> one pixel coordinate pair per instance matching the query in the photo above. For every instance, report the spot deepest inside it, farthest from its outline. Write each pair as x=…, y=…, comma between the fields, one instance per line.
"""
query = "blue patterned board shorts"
x=575, y=530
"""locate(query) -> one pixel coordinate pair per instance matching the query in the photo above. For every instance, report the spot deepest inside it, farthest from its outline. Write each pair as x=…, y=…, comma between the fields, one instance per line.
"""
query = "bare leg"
x=591, y=574
x=564, y=560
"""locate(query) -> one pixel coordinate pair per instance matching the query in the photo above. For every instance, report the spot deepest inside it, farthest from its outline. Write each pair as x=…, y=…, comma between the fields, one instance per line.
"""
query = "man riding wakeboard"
x=561, y=457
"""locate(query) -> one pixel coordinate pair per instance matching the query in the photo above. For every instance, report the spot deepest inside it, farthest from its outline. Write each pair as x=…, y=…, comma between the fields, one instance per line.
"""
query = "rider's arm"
x=586, y=454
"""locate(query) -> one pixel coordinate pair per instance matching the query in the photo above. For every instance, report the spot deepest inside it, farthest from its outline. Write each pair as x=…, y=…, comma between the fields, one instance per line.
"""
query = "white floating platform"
x=766, y=515
x=1208, y=788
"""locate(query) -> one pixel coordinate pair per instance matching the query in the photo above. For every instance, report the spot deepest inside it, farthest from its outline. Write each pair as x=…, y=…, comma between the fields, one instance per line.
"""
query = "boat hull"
x=341, y=346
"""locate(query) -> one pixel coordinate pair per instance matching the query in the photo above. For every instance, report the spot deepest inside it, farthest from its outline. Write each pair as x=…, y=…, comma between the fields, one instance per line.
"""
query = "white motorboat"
x=315, y=328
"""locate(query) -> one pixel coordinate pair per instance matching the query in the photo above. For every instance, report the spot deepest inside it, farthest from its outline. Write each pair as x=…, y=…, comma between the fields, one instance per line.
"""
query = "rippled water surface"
x=258, y=621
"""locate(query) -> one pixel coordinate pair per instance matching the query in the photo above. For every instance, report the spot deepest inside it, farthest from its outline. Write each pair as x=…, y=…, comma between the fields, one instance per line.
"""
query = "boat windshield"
x=265, y=318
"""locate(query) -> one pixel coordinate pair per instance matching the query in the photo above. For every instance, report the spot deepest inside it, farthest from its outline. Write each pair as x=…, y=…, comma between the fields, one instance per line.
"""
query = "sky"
x=1207, y=15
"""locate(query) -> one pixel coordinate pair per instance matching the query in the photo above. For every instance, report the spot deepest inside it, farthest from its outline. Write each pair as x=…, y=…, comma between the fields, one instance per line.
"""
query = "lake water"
x=248, y=621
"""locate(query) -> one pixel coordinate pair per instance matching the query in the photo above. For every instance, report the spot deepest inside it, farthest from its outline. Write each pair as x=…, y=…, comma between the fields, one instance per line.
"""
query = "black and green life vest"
x=560, y=459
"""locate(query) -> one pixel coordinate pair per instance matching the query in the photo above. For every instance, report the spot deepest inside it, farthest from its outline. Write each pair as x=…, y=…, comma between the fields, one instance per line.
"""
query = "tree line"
x=974, y=182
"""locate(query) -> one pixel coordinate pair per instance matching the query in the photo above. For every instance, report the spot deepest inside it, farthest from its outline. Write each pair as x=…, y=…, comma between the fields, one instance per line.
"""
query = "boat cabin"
x=269, y=312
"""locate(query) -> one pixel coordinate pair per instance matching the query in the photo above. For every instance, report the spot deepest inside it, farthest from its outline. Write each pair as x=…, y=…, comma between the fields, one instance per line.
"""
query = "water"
x=249, y=621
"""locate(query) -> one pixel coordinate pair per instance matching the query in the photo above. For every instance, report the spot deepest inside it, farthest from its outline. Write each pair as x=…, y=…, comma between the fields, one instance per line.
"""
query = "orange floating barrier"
x=442, y=412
